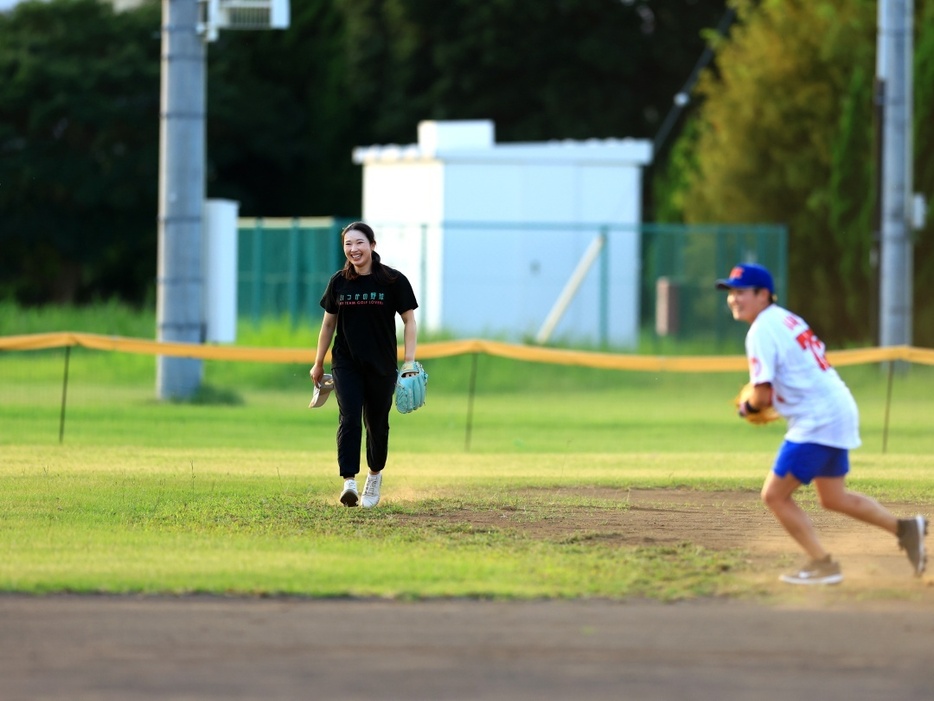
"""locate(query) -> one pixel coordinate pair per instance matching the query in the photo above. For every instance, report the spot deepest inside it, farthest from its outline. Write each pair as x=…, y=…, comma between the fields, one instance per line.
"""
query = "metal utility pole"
x=181, y=195
x=894, y=52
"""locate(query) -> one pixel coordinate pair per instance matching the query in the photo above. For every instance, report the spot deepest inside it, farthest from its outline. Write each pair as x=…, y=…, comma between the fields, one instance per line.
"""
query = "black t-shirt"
x=366, y=320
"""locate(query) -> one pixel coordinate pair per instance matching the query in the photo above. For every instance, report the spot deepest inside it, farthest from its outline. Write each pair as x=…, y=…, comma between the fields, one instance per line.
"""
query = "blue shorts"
x=805, y=461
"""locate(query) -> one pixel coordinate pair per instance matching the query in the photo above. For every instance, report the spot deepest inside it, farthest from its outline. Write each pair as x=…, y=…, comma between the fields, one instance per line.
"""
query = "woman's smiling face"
x=359, y=251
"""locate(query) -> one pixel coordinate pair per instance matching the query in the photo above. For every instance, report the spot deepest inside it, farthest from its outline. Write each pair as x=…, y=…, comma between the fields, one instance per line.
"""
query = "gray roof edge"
x=603, y=151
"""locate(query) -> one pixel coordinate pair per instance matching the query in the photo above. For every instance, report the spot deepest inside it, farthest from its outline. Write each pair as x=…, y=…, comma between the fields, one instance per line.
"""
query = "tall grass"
x=111, y=318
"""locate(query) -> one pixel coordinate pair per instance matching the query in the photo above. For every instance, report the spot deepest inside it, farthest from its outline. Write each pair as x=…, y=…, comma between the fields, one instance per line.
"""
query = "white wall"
x=457, y=213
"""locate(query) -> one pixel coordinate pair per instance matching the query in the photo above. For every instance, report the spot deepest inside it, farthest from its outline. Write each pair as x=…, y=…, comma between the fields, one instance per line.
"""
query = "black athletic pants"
x=364, y=400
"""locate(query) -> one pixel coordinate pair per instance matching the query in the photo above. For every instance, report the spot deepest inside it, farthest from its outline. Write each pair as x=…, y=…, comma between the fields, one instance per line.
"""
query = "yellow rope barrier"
x=444, y=349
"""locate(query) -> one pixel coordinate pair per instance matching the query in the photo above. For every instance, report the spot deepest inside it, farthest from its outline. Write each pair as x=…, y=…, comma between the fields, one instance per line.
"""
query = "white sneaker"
x=911, y=532
x=349, y=496
x=824, y=571
x=371, y=490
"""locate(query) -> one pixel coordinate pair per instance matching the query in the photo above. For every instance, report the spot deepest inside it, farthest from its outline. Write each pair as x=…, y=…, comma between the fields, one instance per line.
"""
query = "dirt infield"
x=873, y=566
x=871, y=637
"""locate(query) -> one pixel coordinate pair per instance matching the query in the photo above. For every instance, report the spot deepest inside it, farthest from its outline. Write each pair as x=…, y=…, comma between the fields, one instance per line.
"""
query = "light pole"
x=179, y=285
x=187, y=26
x=894, y=52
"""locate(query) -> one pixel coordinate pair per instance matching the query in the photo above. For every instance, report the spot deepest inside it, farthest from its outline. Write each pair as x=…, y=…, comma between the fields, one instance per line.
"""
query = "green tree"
x=281, y=127
x=784, y=133
x=79, y=110
x=924, y=172
x=540, y=70
x=79, y=129
x=770, y=144
x=851, y=206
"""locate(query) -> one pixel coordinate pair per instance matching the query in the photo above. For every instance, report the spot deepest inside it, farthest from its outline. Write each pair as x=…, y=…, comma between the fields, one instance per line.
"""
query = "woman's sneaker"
x=349, y=496
x=371, y=490
x=824, y=571
x=911, y=532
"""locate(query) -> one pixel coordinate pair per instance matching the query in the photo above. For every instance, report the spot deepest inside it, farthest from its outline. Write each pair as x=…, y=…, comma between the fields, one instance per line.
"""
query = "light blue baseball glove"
x=411, y=387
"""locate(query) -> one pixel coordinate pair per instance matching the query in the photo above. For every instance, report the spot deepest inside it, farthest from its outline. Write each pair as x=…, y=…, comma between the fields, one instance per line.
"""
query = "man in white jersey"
x=789, y=371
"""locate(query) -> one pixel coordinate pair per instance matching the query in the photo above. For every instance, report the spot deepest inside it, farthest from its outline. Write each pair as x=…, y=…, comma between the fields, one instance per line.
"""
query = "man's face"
x=746, y=302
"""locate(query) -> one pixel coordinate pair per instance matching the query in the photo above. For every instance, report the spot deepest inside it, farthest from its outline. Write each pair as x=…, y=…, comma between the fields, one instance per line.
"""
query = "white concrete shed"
x=492, y=235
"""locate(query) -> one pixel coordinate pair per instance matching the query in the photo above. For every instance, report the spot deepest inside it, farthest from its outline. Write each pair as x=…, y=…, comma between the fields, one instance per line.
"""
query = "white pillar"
x=220, y=270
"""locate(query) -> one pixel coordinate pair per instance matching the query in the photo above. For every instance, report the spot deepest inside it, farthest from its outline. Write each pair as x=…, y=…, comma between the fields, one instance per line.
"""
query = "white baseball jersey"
x=807, y=391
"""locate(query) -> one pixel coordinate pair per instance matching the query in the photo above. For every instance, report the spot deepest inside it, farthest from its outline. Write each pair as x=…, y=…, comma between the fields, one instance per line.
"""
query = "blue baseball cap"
x=747, y=275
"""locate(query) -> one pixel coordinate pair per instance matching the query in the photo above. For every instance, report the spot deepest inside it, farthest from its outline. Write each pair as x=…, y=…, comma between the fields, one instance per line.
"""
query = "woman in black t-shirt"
x=360, y=304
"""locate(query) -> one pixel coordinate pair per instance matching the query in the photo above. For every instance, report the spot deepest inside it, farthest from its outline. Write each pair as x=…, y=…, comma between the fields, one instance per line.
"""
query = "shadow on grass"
x=209, y=395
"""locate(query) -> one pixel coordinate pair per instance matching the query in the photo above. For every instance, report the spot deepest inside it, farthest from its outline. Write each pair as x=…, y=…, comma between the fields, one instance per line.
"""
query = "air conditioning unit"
x=245, y=14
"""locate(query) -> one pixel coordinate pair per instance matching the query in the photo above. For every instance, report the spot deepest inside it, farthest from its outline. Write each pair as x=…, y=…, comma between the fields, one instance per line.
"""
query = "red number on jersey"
x=808, y=341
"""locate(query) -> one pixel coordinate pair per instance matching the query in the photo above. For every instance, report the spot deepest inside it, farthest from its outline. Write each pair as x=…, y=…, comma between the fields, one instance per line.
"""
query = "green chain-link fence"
x=284, y=266
x=681, y=262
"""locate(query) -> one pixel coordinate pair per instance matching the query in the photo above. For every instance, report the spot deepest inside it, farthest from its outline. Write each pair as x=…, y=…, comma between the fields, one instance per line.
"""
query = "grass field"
x=237, y=494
